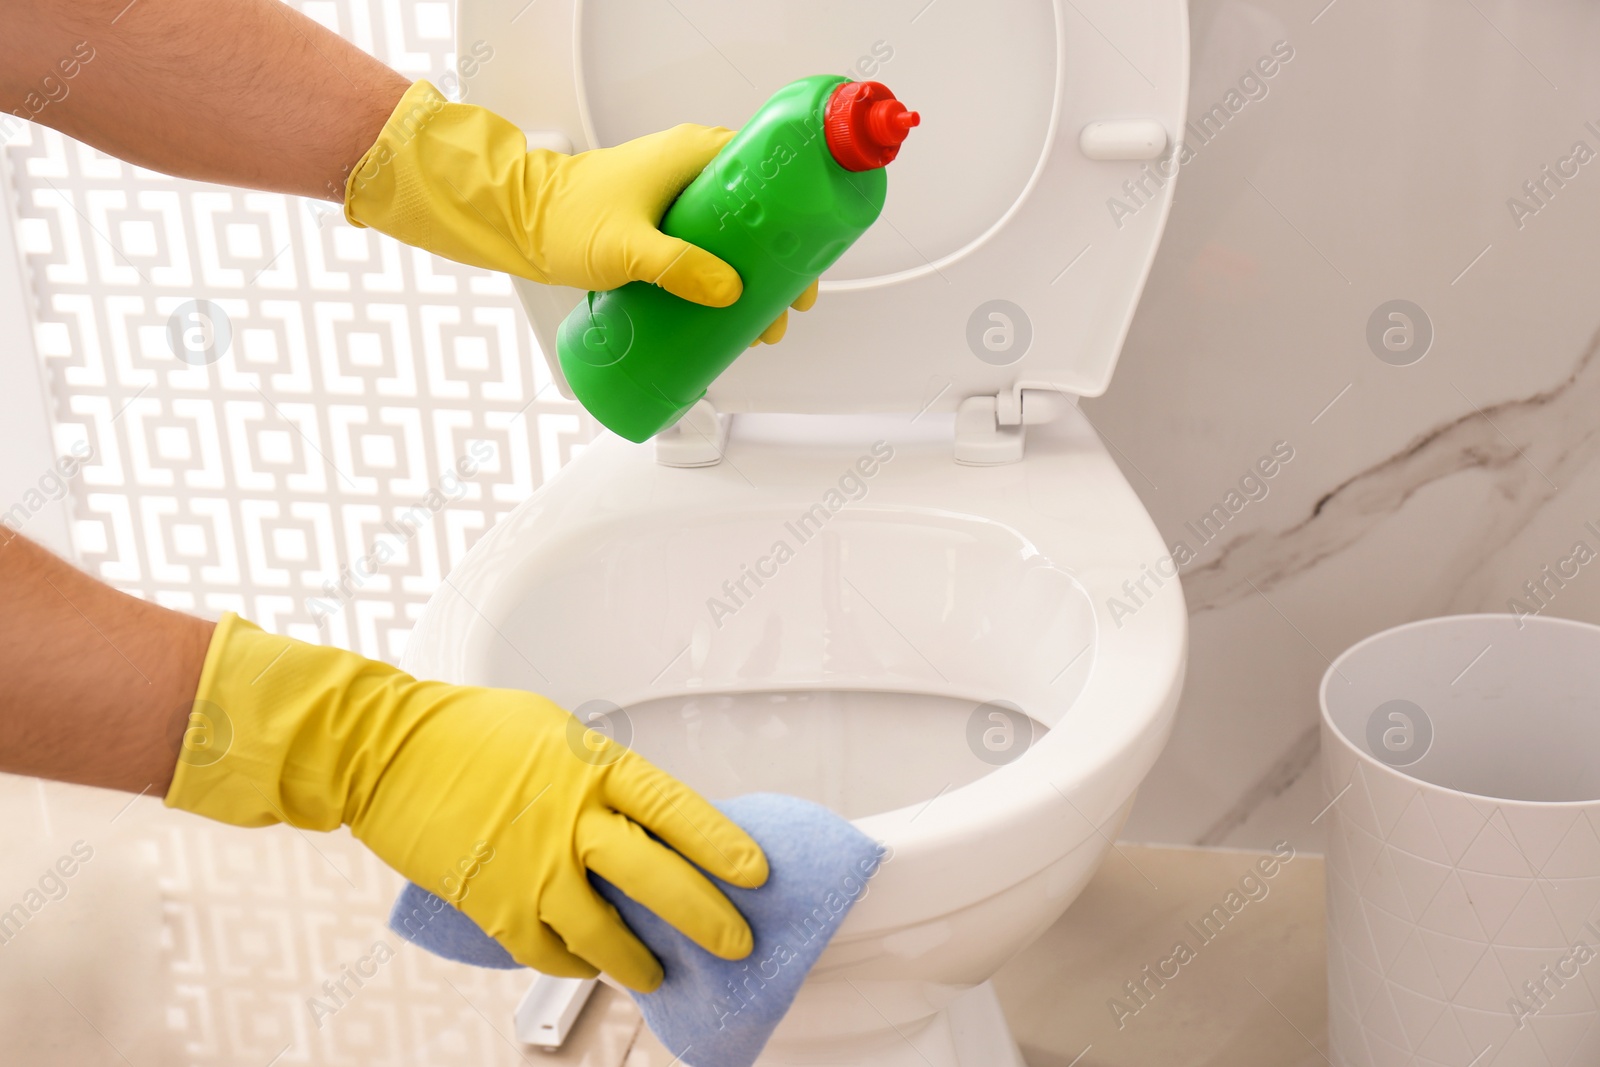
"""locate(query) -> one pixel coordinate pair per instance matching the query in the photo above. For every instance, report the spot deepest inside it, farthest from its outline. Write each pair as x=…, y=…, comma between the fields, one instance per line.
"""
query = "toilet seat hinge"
x=990, y=430
x=695, y=440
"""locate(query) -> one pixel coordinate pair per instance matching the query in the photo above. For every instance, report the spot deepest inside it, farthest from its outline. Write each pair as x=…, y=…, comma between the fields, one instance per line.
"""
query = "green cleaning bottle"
x=780, y=204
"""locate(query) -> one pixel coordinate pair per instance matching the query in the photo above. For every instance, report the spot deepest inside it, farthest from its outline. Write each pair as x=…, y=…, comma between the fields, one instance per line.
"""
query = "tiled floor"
x=1254, y=995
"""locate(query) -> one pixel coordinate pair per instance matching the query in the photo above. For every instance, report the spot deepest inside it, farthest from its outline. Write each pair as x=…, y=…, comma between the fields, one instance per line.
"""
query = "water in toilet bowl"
x=856, y=752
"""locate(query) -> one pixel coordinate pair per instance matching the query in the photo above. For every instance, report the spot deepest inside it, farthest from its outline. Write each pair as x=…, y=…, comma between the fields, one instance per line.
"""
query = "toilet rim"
x=1023, y=816
x=951, y=850
x=956, y=847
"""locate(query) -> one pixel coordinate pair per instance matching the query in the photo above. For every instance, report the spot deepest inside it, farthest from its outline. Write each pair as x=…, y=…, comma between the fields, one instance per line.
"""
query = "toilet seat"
x=999, y=263
x=582, y=594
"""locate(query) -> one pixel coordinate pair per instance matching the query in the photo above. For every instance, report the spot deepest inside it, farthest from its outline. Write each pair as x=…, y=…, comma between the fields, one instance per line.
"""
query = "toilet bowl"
x=887, y=564
x=931, y=658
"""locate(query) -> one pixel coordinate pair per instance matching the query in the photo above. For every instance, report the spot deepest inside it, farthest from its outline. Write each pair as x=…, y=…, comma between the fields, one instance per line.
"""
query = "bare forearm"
x=241, y=92
x=95, y=685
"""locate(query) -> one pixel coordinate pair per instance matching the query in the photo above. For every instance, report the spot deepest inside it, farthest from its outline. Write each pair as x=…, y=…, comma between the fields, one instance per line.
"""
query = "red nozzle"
x=865, y=125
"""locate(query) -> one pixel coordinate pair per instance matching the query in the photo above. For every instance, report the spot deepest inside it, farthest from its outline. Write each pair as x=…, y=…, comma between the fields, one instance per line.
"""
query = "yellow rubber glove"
x=496, y=800
x=458, y=180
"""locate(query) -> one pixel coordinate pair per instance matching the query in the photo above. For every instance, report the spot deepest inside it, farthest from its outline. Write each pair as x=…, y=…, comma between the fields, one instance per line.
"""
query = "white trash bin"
x=1464, y=846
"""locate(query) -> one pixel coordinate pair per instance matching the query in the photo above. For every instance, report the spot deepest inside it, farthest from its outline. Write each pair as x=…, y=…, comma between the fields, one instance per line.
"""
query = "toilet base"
x=970, y=1032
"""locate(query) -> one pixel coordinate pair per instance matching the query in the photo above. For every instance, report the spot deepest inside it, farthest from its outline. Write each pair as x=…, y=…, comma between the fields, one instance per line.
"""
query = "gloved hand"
x=496, y=800
x=459, y=181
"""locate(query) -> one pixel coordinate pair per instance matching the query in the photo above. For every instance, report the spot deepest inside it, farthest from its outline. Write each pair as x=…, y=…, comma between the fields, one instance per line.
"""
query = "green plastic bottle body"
x=776, y=207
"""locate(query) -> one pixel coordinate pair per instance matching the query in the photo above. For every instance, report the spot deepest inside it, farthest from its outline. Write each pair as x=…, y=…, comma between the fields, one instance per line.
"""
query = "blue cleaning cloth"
x=708, y=1011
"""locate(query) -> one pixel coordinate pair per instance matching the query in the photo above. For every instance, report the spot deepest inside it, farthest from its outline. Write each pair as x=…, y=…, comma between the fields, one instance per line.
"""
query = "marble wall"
x=1434, y=470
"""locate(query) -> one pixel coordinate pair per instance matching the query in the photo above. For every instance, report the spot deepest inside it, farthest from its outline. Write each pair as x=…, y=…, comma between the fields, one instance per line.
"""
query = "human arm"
x=243, y=92
x=97, y=682
x=496, y=800
x=252, y=93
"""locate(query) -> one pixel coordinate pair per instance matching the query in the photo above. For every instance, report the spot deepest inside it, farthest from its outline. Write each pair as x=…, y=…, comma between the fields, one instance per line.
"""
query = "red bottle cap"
x=865, y=125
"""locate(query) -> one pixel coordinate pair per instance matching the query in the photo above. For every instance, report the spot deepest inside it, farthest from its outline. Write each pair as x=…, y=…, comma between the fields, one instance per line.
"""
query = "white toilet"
x=886, y=564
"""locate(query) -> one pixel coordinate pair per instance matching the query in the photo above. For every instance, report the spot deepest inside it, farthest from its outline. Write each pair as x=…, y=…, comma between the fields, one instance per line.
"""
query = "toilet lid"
x=1012, y=248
